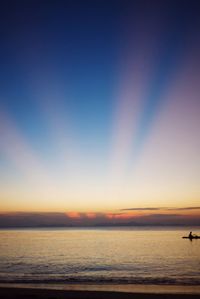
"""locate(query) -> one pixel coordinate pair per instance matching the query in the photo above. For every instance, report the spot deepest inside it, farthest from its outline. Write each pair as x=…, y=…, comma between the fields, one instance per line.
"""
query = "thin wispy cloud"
x=160, y=208
x=184, y=209
x=141, y=209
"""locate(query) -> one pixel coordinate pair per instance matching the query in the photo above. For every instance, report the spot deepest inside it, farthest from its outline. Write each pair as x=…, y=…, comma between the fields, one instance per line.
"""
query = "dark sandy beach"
x=16, y=293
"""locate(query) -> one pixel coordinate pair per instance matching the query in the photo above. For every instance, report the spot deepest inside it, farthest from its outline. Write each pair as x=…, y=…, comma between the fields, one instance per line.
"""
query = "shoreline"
x=37, y=293
x=111, y=288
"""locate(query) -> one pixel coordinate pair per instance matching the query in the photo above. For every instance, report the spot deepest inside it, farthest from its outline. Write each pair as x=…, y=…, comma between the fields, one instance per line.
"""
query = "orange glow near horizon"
x=91, y=215
x=74, y=215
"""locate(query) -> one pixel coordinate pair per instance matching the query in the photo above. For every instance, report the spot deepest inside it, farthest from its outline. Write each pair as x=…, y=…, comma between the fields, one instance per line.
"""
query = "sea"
x=108, y=255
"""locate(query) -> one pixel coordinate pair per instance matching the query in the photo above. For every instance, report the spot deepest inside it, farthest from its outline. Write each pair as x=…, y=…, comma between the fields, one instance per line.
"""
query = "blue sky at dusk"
x=99, y=105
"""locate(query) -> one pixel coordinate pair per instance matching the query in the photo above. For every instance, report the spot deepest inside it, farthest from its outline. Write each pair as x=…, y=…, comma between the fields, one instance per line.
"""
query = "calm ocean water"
x=108, y=255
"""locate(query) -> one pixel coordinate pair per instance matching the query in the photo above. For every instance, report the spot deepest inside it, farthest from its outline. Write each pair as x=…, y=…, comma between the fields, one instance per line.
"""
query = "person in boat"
x=190, y=235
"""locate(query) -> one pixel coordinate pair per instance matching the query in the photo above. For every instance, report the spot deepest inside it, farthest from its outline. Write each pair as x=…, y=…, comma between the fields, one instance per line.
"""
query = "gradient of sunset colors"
x=100, y=109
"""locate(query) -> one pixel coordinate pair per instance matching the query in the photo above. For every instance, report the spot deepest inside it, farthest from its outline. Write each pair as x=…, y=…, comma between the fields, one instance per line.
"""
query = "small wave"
x=99, y=280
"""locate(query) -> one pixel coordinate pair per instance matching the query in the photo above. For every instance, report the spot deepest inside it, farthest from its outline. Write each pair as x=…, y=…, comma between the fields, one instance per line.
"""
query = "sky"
x=99, y=110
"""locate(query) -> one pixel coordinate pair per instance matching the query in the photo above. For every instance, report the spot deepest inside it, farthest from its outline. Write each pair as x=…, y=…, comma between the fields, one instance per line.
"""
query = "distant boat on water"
x=191, y=236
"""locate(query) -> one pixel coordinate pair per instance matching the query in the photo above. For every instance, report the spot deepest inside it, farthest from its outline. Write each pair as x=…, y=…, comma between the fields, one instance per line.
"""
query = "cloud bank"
x=75, y=219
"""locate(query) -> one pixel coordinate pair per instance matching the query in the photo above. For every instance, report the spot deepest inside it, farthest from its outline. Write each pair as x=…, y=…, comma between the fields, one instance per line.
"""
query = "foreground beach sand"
x=17, y=293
